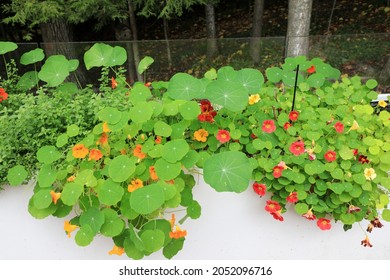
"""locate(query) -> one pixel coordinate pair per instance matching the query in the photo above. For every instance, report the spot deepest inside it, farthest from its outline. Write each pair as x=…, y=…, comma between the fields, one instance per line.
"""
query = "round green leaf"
x=71, y=193
x=194, y=210
x=274, y=74
x=227, y=74
x=190, y=159
x=6, y=47
x=251, y=79
x=113, y=225
x=230, y=95
x=86, y=177
x=84, y=236
x=46, y=176
x=228, y=171
x=131, y=249
x=385, y=158
x=189, y=110
x=211, y=74
x=139, y=93
x=316, y=80
x=166, y=170
x=32, y=56
x=73, y=65
x=174, y=246
x=118, y=57
x=28, y=80
x=62, y=140
x=48, y=154
x=62, y=210
x=110, y=115
x=16, y=175
x=289, y=78
x=301, y=208
x=175, y=150
x=348, y=218
x=98, y=55
x=40, y=213
x=94, y=218
x=144, y=64
x=290, y=64
x=72, y=130
x=110, y=193
x=185, y=87
x=153, y=240
x=162, y=129
x=121, y=168
x=169, y=190
x=337, y=173
x=42, y=199
x=386, y=215
x=147, y=199
x=55, y=70
x=141, y=113
x=371, y=83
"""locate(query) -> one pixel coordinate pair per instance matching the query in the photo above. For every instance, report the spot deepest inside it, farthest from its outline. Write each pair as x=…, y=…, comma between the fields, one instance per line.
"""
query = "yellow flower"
x=116, y=251
x=105, y=127
x=68, y=227
x=382, y=103
x=135, y=185
x=201, y=135
x=355, y=126
x=254, y=98
x=369, y=173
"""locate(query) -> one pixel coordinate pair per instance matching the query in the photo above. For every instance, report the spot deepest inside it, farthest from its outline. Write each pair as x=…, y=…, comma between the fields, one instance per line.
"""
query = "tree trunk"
x=134, y=33
x=384, y=76
x=123, y=33
x=212, y=47
x=297, y=40
x=256, y=30
x=165, y=22
x=57, y=37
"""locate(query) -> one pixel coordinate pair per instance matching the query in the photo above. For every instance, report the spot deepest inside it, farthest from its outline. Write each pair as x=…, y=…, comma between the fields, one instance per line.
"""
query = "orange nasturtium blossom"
x=105, y=127
x=324, y=224
x=158, y=139
x=201, y=135
x=339, y=127
x=153, y=174
x=176, y=231
x=55, y=196
x=223, y=136
x=80, y=151
x=114, y=83
x=135, y=185
x=103, y=138
x=297, y=148
x=268, y=126
x=68, y=227
x=138, y=153
x=95, y=154
x=116, y=251
x=293, y=116
x=3, y=95
x=330, y=156
x=311, y=69
x=71, y=178
x=253, y=99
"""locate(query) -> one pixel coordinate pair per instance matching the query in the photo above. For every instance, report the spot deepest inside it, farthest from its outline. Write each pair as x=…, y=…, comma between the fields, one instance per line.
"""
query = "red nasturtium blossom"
x=223, y=136
x=260, y=189
x=311, y=69
x=297, y=148
x=277, y=215
x=95, y=154
x=366, y=242
x=293, y=116
x=339, y=127
x=114, y=83
x=330, y=156
x=309, y=215
x=363, y=159
x=324, y=224
x=277, y=171
x=292, y=197
x=268, y=126
x=3, y=95
x=287, y=125
x=272, y=206
x=207, y=112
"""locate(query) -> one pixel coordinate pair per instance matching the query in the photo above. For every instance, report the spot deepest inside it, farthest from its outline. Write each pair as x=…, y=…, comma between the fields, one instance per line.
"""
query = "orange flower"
x=68, y=227
x=80, y=151
x=105, y=127
x=177, y=233
x=138, y=153
x=114, y=83
x=135, y=185
x=172, y=221
x=95, y=154
x=116, y=251
x=55, y=196
x=201, y=135
x=153, y=174
x=71, y=178
x=103, y=139
x=123, y=152
x=158, y=140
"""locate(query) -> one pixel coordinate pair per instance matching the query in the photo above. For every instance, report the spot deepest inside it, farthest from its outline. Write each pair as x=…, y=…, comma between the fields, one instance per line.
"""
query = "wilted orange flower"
x=114, y=83
x=103, y=138
x=153, y=174
x=353, y=209
x=80, y=151
x=135, y=185
x=116, y=251
x=105, y=127
x=68, y=227
x=158, y=139
x=95, y=154
x=366, y=242
x=201, y=135
x=138, y=153
x=123, y=152
x=71, y=178
x=55, y=196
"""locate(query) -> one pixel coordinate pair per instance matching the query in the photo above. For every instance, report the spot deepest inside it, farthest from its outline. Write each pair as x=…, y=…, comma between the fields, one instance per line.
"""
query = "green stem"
x=6, y=68
x=120, y=77
x=183, y=219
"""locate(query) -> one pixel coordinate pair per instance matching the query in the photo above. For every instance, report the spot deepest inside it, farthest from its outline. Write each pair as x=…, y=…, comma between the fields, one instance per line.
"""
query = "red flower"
x=253, y=136
x=355, y=152
x=114, y=83
x=330, y=156
x=353, y=209
x=297, y=148
x=324, y=224
x=292, y=197
x=293, y=116
x=207, y=112
x=259, y=188
x=363, y=159
x=3, y=95
x=277, y=216
x=339, y=127
x=311, y=70
x=287, y=125
x=268, y=126
x=309, y=215
x=278, y=171
x=223, y=136
x=272, y=206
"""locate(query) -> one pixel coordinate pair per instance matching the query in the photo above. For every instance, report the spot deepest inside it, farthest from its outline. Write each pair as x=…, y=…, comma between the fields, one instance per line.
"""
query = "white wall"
x=232, y=226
